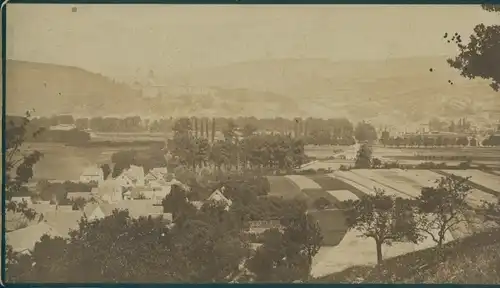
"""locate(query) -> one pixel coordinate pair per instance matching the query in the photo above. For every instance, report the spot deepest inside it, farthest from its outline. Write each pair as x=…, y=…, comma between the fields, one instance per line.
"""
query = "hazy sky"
x=127, y=41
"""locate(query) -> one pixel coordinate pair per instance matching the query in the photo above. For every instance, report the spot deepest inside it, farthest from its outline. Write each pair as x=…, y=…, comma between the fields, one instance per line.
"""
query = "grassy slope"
x=472, y=260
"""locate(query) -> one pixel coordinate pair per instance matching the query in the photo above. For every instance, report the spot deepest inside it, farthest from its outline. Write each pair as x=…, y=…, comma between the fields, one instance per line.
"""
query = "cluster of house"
x=133, y=190
x=132, y=183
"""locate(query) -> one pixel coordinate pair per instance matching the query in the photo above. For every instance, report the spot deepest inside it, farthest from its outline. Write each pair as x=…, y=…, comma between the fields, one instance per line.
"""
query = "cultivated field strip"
x=343, y=195
x=303, y=182
x=396, y=183
x=283, y=187
x=348, y=179
x=423, y=178
x=330, y=183
x=368, y=183
x=315, y=194
x=477, y=197
x=487, y=180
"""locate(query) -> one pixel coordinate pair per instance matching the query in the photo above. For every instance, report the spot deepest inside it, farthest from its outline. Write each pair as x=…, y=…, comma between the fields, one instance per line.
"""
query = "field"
x=489, y=156
x=355, y=251
x=487, y=180
x=282, y=187
x=343, y=249
x=326, y=164
x=332, y=225
x=365, y=184
x=325, y=151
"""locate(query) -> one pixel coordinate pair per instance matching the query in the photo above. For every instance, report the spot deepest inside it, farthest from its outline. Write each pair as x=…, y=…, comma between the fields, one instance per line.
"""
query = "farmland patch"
x=282, y=187
x=303, y=182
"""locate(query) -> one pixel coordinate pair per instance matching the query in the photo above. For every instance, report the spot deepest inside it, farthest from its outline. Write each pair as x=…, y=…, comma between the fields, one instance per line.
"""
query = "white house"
x=21, y=199
x=132, y=177
x=149, y=193
x=93, y=212
x=136, y=209
x=92, y=174
x=217, y=196
x=110, y=191
x=156, y=174
x=62, y=127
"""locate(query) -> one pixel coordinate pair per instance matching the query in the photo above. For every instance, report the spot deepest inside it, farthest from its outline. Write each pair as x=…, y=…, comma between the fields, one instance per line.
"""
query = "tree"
x=481, y=55
x=230, y=131
x=79, y=203
x=462, y=141
x=365, y=132
x=384, y=139
x=491, y=211
x=473, y=142
x=176, y=203
x=303, y=235
x=382, y=218
x=376, y=163
x=363, y=157
x=118, y=248
x=18, y=162
x=321, y=203
x=249, y=130
x=106, y=170
x=442, y=208
x=287, y=256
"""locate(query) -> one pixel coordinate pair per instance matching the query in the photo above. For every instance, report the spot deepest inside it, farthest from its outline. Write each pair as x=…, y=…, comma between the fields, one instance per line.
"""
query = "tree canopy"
x=480, y=56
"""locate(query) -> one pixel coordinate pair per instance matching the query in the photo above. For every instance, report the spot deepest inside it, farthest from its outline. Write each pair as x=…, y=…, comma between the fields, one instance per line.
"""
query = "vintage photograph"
x=252, y=143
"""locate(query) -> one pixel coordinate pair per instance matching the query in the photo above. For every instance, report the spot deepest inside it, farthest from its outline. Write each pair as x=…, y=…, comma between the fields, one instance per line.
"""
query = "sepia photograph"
x=155, y=143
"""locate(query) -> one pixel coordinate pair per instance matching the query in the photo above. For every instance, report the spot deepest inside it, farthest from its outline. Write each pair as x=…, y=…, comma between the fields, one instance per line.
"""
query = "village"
x=311, y=148
x=139, y=193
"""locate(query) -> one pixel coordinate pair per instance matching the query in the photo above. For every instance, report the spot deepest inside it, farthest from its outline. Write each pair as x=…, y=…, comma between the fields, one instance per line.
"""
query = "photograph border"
x=178, y=2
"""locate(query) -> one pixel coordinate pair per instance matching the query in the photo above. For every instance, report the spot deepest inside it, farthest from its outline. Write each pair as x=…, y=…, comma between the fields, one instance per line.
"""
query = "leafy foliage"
x=205, y=248
x=443, y=207
x=19, y=162
x=363, y=157
x=383, y=218
x=481, y=55
x=253, y=152
x=365, y=132
x=287, y=256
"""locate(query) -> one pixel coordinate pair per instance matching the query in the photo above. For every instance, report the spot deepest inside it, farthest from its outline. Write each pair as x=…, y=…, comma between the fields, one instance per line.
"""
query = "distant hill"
x=55, y=89
x=398, y=92
x=395, y=91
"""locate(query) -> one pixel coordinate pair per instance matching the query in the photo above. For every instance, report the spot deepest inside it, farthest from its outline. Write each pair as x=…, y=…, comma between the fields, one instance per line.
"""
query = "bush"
x=483, y=167
x=345, y=168
x=464, y=165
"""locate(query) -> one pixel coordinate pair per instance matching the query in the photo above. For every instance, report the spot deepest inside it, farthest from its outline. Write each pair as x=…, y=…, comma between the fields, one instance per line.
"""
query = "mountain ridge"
x=395, y=91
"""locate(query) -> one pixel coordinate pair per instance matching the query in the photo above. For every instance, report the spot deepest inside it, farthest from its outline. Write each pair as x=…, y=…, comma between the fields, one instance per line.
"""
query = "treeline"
x=245, y=151
x=426, y=141
x=436, y=141
x=37, y=132
x=296, y=126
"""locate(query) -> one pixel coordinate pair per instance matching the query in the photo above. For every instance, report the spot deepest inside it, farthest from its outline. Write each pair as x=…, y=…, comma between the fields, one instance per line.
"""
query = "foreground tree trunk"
x=379, y=251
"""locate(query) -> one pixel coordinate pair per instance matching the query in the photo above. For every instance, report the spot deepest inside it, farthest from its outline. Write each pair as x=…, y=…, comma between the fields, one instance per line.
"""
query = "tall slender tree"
x=213, y=130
